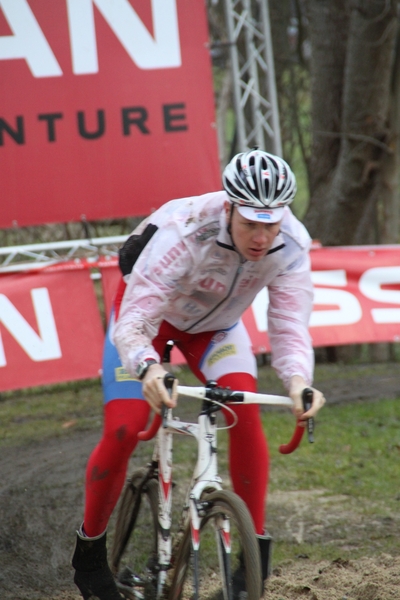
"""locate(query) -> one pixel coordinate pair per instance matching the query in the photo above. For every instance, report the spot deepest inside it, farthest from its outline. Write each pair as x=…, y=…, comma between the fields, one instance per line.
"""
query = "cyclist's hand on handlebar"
x=155, y=391
x=297, y=385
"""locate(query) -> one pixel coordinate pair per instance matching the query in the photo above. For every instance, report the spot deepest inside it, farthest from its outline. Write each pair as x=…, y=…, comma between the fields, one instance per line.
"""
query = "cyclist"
x=190, y=271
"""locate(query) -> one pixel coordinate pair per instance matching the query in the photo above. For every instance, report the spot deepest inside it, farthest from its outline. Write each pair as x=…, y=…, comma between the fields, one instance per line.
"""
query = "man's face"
x=252, y=239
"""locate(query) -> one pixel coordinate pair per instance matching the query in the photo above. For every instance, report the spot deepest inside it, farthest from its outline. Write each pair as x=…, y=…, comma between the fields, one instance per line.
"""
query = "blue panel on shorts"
x=117, y=383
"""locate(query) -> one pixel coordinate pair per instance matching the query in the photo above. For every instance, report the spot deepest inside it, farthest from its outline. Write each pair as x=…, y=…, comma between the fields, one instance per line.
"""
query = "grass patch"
x=38, y=414
x=357, y=451
x=354, y=464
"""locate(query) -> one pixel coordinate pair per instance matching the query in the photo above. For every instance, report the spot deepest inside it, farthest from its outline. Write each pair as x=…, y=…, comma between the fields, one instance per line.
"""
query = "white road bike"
x=151, y=563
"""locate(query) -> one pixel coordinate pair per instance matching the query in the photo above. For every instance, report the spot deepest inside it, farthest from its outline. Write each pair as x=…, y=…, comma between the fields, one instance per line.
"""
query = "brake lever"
x=149, y=433
x=307, y=398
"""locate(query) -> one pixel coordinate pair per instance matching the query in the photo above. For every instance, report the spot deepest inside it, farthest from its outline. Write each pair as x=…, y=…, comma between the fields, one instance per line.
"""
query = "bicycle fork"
x=206, y=477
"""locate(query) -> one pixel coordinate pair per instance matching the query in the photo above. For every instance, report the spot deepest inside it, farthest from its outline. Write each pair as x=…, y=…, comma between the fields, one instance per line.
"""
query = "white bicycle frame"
x=205, y=474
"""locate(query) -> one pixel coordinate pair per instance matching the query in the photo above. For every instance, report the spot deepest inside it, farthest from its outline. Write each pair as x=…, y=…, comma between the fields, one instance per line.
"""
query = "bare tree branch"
x=357, y=137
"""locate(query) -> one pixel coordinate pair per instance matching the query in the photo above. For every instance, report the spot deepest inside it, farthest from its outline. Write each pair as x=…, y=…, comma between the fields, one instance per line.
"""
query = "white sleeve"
x=151, y=287
x=289, y=310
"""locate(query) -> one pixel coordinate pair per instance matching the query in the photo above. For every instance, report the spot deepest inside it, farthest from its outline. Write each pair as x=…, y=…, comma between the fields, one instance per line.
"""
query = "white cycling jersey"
x=190, y=275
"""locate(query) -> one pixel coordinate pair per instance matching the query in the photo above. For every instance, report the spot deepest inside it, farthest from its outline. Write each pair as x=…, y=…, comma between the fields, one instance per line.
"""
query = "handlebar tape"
x=307, y=397
x=295, y=441
x=148, y=434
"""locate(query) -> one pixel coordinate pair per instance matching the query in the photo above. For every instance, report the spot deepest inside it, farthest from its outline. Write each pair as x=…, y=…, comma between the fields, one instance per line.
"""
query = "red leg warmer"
x=107, y=466
x=248, y=452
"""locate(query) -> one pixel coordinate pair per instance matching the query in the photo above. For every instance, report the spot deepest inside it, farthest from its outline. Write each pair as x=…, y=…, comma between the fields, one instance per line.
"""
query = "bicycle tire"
x=134, y=546
x=221, y=502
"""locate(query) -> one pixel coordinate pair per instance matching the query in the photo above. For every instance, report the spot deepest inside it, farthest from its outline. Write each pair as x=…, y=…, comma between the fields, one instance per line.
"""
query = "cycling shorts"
x=210, y=355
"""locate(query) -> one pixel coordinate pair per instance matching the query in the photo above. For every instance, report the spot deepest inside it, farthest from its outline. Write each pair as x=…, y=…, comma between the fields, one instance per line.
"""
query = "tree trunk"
x=328, y=34
x=390, y=217
x=351, y=139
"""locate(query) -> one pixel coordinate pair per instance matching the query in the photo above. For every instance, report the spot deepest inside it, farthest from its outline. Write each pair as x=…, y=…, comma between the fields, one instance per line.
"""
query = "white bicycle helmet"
x=259, y=180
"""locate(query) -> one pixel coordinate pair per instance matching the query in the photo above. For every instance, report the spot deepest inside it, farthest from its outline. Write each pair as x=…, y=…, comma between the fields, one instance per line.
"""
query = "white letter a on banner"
x=46, y=345
x=28, y=41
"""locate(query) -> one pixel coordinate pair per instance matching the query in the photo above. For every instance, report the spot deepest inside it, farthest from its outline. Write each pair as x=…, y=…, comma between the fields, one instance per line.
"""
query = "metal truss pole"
x=43, y=256
x=252, y=64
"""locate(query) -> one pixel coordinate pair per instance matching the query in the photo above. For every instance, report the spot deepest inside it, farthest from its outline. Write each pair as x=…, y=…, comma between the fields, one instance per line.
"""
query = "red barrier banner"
x=50, y=329
x=356, y=298
x=107, y=108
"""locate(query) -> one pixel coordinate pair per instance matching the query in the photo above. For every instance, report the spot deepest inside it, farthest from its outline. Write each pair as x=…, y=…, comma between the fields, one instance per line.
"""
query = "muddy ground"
x=41, y=502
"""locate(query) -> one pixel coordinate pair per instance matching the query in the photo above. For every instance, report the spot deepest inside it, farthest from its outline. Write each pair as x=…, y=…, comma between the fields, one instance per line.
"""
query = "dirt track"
x=41, y=501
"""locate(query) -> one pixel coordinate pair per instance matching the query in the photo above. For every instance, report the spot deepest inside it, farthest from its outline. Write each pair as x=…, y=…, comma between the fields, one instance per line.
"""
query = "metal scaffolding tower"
x=252, y=64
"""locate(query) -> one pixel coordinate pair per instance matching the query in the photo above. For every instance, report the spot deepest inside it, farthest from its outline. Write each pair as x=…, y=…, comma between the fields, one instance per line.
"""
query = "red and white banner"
x=356, y=298
x=51, y=331
x=107, y=108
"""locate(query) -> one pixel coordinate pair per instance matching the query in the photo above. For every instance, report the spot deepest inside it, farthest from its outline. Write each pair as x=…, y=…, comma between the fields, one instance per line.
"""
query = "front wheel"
x=134, y=559
x=222, y=558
